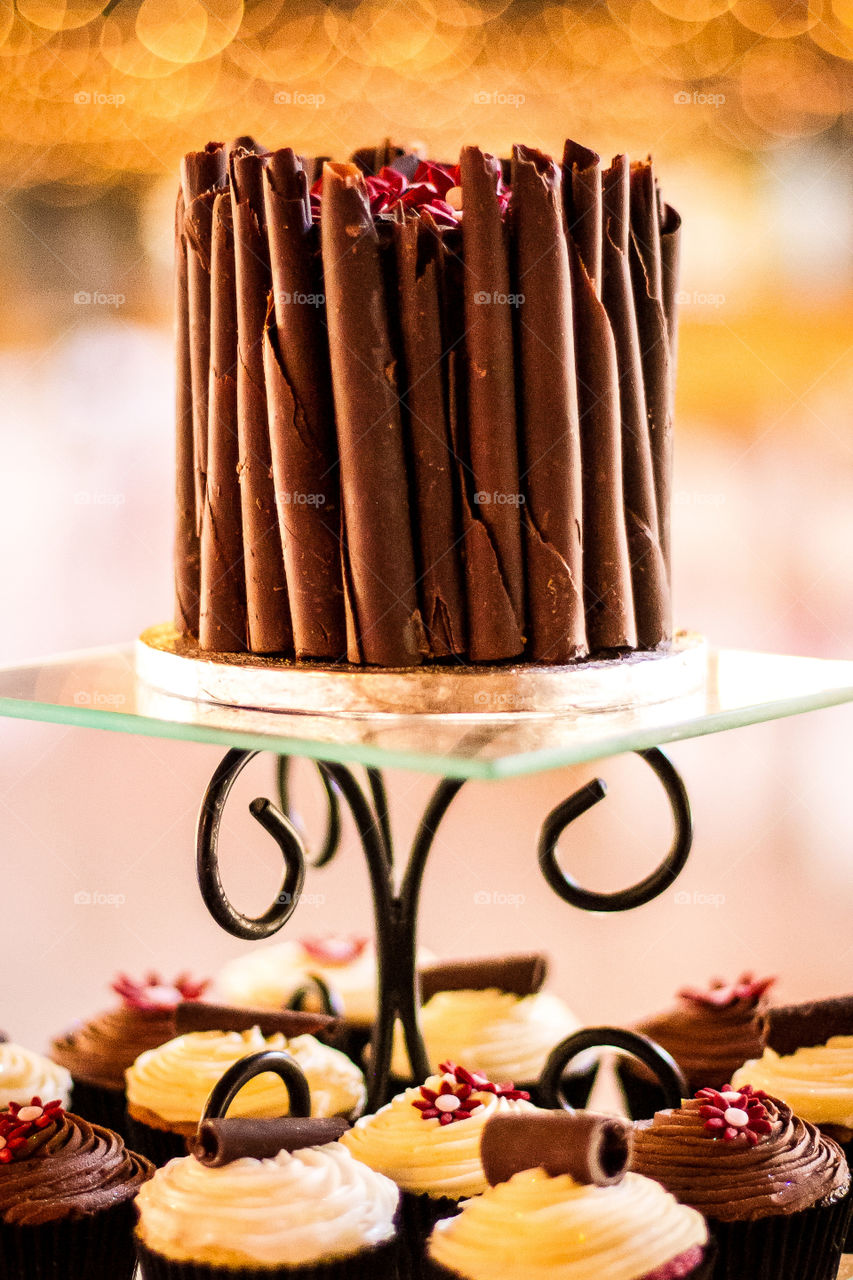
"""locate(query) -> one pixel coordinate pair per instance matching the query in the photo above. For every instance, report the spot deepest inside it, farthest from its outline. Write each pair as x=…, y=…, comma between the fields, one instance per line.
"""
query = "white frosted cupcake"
x=25, y=1075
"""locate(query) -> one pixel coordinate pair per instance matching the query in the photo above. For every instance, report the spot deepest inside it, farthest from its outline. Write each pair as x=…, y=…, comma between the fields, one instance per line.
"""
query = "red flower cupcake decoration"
x=454, y=1098
x=23, y=1121
x=154, y=994
x=732, y=1114
x=477, y=1080
x=722, y=995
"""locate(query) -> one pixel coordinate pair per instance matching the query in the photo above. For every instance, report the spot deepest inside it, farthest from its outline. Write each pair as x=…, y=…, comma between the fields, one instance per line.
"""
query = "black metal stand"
x=396, y=909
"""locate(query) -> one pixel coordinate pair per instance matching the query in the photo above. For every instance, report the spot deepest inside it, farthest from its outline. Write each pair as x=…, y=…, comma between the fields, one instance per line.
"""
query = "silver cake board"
x=173, y=664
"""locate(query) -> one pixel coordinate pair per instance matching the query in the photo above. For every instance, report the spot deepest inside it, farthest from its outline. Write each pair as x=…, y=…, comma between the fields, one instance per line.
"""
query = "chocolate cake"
x=424, y=411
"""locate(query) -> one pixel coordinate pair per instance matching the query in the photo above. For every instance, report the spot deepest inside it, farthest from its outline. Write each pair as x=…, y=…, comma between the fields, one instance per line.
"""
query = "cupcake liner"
x=99, y=1105
x=372, y=1264
x=418, y=1216
x=98, y=1245
x=157, y=1145
x=797, y=1246
x=847, y=1148
x=705, y=1270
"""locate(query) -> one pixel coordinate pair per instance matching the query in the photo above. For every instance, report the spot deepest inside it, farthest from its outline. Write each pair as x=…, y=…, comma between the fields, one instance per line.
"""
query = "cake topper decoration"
x=480, y=1081
x=521, y=975
x=198, y=1015
x=801, y=1026
x=390, y=193
x=732, y=1114
x=454, y=1098
x=592, y=1149
x=21, y=1122
x=722, y=995
x=154, y=994
x=334, y=949
x=218, y=1140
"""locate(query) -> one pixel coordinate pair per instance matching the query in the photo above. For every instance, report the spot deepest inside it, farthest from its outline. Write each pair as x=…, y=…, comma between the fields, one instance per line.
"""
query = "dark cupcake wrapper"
x=418, y=1216
x=100, y=1105
x=157, y=1145
x=94, y=1247
x=380, y=1263
x=847, y=1148
x=799, y=1246
x=705, y=1270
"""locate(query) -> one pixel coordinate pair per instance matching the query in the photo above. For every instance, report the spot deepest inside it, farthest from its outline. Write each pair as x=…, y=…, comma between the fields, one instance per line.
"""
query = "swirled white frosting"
x=506, y=1036
x=25, y=1075
x=297, y=1209
x=175, y=1079
x=565, y=1231
x=424, y=1156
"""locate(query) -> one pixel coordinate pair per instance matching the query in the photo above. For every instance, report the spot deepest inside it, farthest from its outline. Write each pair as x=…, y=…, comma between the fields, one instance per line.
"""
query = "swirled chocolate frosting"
x=100, y=1051
x=788, y=1170
x=69, y=1170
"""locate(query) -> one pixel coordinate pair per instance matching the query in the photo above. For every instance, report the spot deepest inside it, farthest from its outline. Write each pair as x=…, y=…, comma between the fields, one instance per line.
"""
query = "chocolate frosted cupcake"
x=24, y=1074
x=561, y=1204
x=710, y=1033
x=66, y=1192
x=272, y=1198
x=98, y=1052
x=427, y=1140
x=774, y=1189
x=167, y=1087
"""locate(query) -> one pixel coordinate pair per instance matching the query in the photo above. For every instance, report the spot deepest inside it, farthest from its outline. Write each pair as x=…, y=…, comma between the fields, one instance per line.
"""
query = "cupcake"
x=493, y=1016
x=559, y=1203
x=167, y=1087
x=427, y=1140
x=98, y=1052
x=24, y=1074
x=268, y=1198
x=66, y=1196
x=710, y=1033
x=774, y=1189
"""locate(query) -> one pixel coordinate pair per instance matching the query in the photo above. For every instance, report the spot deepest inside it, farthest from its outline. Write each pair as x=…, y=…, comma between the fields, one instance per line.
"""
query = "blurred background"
x=747, y=106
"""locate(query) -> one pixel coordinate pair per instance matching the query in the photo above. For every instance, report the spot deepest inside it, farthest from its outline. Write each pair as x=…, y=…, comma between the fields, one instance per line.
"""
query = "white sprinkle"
x=736, y=1118
x=29, y=1113
x=448, y=1102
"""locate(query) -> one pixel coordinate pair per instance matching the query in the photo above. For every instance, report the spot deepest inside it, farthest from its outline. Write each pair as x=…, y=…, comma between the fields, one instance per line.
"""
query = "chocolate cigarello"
x=550, y=429
x=583, y=205
x=186, y=532
x=222, y=623
x=384, y=624
x=419, y=254
x=198, y=1015
x=492, y=429
x=267, y=604
x=202, y=173
x=219, y=1142
x=301, y=416
x=802, y=1026
x=648, y=572
x=522, y=975
x=594, y=1150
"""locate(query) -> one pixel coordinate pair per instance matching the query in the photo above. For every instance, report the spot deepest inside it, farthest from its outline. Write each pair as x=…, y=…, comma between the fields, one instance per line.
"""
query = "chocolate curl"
x=301, y=416
x=802, y=1026
x=522, y=975
x=647, y=279
x=384, y=624
x=419, y=257
x=220, y=1142
x=583, y=206
x=266, y=588
x=608, y=594
x=493, y=533
x=550, y=433
x=186, y=532
x=222, y=624
x=670, y=245
x=202, y=174
x=198, y=1015
x=649, y=576
x=593, y=1150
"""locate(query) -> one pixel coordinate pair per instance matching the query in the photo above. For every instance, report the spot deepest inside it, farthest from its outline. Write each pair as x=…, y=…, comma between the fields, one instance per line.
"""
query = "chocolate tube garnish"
x=198, y=1015
x=522, y=975
x=385, y=624
x=492, y=431
x=219, y=1142
x=186, y=529
x=647, y=279
x=608, y=595
x=670, y=244
x=594, y=1150
x=583, y=205
x=790, y=1027
x=266, y=588
x=419, y=255
x=222, y=622
x=301, y=415
x=550, y=428
x=202, y=173
x=649, y=576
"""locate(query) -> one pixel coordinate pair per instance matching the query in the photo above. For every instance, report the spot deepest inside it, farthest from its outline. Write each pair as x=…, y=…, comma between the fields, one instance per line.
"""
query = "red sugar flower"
x=334, y=950
x=23, y=1121
x=389, y=191
x=477, y=1080
x=153, y=993
x=450, y=1102
x=734, y=1113
x=722, y=995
